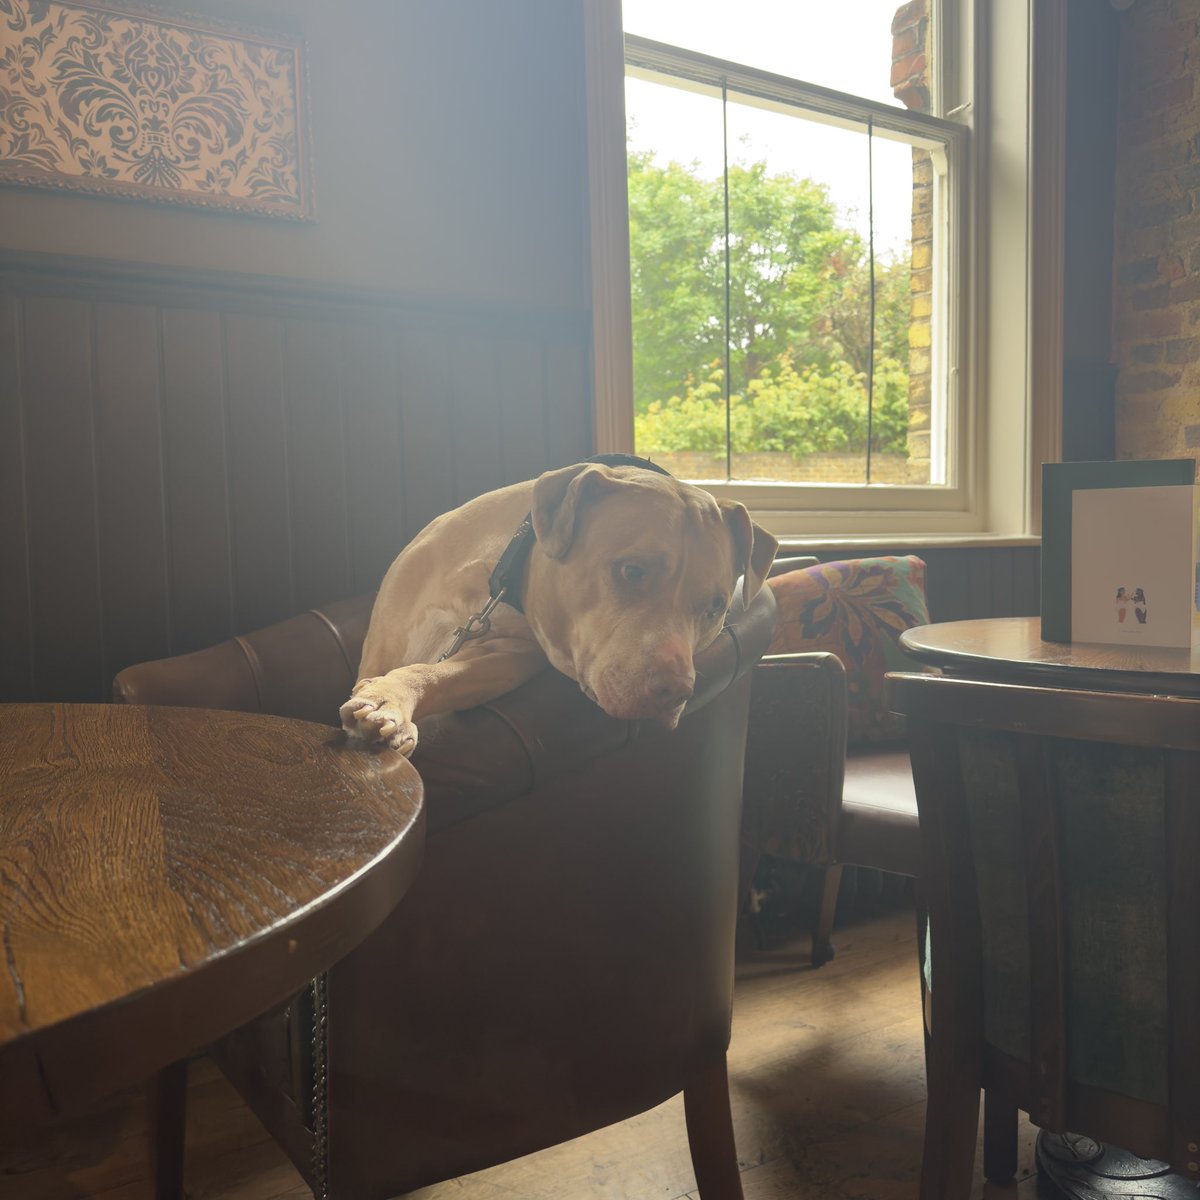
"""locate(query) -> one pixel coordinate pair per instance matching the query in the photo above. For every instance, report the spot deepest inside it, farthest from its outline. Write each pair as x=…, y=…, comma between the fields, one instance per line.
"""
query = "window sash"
x=662, y=63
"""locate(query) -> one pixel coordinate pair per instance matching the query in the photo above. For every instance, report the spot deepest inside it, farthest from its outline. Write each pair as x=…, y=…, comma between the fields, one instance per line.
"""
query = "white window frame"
x=1006, y=86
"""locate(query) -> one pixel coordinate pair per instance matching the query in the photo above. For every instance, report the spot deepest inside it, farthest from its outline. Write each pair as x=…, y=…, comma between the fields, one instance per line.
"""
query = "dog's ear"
x=754, y=546
x=557, y=499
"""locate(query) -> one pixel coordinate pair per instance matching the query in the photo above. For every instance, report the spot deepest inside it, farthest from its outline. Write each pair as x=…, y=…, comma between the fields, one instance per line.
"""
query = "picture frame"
x=120, y=99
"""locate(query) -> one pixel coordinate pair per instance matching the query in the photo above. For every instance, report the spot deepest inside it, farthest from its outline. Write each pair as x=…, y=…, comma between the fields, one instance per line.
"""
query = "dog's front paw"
x=371, y=716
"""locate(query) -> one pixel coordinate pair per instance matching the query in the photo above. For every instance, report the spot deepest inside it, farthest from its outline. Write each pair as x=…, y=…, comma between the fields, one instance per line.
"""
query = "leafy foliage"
x=799, y=412
x=799, y=324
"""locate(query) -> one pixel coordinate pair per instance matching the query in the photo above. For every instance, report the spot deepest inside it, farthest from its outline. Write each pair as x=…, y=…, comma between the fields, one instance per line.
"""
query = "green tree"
x=797, y=412
x=799, y=316
x=677, y=275
x=784, y=240
x=846, y=322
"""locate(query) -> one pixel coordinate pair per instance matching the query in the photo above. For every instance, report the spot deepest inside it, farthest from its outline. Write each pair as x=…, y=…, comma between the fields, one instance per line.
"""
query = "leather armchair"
x=814, y=794
x=565, y=958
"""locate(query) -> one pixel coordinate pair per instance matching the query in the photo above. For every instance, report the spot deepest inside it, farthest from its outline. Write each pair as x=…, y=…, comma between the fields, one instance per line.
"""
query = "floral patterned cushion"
x=856, y=609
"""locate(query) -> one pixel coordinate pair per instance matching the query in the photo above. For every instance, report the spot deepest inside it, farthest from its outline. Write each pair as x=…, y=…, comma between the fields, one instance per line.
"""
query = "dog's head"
x=632, y=574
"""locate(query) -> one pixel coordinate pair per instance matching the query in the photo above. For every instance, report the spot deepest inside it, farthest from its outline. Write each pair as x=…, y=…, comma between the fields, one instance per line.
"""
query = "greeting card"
x=1061, y=483
x=1133, y=565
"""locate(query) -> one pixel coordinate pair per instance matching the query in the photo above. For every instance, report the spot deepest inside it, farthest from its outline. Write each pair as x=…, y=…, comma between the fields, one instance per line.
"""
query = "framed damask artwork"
x=124, y=100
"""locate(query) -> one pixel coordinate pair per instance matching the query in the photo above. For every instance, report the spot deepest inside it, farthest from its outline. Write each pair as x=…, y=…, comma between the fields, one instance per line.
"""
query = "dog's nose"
x=668, y=691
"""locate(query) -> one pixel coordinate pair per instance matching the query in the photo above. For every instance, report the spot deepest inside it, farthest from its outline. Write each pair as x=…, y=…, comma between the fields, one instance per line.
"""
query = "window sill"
x=823, y=544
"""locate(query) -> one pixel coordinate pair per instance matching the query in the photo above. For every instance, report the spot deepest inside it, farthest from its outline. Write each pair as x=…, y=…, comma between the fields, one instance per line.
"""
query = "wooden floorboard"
x=826, y=1073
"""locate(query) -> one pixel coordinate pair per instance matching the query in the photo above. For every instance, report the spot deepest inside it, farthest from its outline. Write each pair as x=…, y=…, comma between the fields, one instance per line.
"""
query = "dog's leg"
x=386, y=708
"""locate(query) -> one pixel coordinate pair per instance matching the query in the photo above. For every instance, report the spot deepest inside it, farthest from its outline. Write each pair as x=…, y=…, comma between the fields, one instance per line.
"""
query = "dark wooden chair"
x=828, y=779
x=1060, y=835
x=565, y=957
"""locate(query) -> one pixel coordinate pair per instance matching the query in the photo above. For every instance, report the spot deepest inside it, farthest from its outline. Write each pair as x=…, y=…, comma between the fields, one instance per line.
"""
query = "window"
x=994, y=337
x=791, y=248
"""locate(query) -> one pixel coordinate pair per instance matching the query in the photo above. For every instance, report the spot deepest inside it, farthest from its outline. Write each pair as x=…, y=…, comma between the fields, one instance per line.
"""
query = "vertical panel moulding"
x=129, y=485
x=1026, y=580
x=196, y=470
x=160, y=351
x=16, y=610
x=226, y=411
x=97, y=516
x=979, y=562
x=260, y=487
x=374, y=452
x=474, y=396
x=61, y=496
x=316, y=460
x=1003, y=582
x=425, y=422
x=948, y=585
x=569, y=429
x=522, y=410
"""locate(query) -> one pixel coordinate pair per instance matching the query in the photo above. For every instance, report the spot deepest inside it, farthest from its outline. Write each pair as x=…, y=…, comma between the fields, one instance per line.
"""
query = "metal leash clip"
x=476, y=627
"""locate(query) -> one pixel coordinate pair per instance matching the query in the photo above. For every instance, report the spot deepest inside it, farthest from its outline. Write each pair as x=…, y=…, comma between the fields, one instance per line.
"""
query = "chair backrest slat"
x=1043, y=884
x=1183, y=955
x=953, y=1015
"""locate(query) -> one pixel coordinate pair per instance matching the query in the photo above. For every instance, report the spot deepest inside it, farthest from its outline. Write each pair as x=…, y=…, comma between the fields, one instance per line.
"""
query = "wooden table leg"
x=167, y=1121
x=999, y=1138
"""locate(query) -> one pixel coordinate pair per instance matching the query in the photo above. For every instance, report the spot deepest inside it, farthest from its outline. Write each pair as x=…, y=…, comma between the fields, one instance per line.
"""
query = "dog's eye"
x=632, y=572
x=716, y=609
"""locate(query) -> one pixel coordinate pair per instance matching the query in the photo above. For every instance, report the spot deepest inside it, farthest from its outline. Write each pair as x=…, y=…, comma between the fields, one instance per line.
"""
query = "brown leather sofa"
x=564, y=960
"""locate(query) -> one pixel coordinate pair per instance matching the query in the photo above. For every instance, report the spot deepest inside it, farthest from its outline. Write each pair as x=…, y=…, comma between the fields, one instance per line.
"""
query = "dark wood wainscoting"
x=1001, y=581
x=189, y=455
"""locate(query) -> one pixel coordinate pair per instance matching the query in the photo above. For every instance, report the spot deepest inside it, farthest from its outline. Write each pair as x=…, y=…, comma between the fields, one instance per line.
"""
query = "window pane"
x=846, y=45
x=816, y=212
x=904, y=316
x=788, y=321
x=677, y=269
x=799, y=297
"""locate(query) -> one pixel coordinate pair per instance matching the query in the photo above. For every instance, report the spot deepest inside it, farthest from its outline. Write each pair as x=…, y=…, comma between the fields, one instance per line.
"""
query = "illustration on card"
x=1127, y=598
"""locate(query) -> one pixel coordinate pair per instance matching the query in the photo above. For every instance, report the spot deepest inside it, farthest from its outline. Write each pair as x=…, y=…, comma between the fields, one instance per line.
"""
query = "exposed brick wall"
x=910, y=83
x=1156, y=284
x=910, y=70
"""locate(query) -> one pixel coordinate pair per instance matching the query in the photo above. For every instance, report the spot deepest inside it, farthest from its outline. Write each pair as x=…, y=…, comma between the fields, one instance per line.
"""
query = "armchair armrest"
x=303, y=667
x=796, y=757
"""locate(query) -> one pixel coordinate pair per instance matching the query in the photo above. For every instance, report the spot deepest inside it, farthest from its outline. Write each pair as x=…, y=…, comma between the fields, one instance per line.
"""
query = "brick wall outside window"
x=910, y=84
x=1156, y=281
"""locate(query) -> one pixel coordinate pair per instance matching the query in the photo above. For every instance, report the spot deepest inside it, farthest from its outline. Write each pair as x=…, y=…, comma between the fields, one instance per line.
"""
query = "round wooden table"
x=168, y=874
x=1011, y=649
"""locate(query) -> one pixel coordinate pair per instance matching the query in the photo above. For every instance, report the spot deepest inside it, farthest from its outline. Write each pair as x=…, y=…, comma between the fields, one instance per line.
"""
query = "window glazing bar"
x=645, y=59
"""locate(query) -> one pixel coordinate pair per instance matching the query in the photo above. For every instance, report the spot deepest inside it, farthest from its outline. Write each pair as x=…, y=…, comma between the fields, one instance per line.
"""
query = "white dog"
x=622, y=574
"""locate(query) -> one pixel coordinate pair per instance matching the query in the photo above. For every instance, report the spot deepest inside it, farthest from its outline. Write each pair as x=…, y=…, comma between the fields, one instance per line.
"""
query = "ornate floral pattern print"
x=105, y=98
x=857, y=610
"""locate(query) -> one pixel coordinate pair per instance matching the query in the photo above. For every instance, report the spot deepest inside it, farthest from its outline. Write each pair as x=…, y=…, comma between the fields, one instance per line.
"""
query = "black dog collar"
x=506, y=578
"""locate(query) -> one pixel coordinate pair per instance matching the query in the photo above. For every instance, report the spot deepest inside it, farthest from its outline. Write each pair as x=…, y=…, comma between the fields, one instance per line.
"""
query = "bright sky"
x=844, y=44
